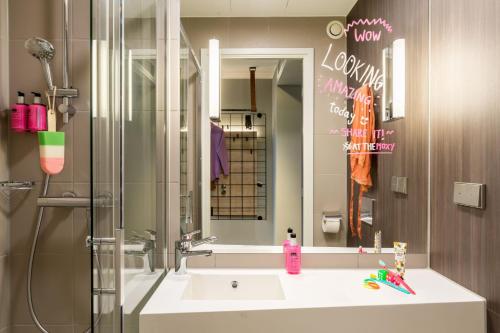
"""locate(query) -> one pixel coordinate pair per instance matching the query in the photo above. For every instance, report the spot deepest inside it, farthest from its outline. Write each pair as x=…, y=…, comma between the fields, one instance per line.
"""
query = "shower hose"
x=32, y=260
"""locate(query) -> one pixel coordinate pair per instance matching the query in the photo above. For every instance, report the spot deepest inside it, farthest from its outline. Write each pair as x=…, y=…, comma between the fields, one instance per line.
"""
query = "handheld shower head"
x=40, y=48
x=44, y=51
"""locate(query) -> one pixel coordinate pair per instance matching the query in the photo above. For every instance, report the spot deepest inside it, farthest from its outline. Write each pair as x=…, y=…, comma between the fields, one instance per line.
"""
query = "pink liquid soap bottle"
x=19, y=115
x=293, y=256
x=37, y=118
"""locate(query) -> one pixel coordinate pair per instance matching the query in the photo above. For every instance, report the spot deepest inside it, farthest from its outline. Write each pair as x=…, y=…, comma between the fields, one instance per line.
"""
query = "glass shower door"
x=106, y=232
x=128, y=163
x=190, y=146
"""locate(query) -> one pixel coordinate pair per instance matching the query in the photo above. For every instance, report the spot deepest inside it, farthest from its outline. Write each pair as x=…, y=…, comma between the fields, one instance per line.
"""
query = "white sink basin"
x=234, y=287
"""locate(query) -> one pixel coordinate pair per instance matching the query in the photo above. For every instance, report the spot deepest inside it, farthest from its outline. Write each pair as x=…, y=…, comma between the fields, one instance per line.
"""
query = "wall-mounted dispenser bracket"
x=65, y=107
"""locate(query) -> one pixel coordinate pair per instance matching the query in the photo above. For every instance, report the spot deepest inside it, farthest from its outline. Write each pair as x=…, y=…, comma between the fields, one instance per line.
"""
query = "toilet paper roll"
x=331, y=224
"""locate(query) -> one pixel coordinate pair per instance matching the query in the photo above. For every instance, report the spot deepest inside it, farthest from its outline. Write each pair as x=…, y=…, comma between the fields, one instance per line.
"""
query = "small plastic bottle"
x=19, y=115
x=37, y=118
x=293, y=256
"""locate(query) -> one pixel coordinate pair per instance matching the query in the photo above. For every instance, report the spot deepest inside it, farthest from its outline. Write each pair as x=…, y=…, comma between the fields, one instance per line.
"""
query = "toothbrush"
x=396, y=276
x=387, y=283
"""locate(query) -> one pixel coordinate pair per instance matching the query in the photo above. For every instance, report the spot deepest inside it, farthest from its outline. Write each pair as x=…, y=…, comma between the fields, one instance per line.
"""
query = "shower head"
x=44, y=51
x=40, y=48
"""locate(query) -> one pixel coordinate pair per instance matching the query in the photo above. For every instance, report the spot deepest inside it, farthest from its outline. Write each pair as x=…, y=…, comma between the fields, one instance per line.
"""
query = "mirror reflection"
x=256, y=170
x=309, y=122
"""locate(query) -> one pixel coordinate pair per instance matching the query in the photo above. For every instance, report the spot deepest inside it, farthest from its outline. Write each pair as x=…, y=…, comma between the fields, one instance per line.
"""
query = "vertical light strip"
x=94, y=78
x=214, y=79
x=399, y=78
x=129, y=84
x=103, y=81
x=386, y=112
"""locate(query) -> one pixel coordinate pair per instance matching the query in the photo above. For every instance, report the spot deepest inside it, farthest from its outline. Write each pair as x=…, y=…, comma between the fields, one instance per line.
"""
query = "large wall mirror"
x=321, y=124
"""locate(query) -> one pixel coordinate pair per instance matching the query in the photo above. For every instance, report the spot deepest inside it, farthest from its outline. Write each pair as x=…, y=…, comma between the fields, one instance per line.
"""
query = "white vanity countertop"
x=137, y=285
x=317, y=288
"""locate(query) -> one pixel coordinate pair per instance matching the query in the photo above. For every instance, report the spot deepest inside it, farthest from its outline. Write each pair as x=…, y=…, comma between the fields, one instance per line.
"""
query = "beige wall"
x=4, y=170
x=61, y=285
x=329, y=159
x=465, y=242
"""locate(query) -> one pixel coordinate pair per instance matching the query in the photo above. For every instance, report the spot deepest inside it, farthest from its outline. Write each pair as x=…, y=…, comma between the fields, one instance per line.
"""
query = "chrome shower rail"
x=74, y=202
x=63, y=202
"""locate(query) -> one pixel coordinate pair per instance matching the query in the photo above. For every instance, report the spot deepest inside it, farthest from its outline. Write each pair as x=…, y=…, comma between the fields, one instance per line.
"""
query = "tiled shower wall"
x=61, y=283
x=4, y=170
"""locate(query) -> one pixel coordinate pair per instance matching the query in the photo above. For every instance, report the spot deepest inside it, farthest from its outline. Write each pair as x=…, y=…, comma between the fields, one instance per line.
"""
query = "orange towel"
x=364, y=122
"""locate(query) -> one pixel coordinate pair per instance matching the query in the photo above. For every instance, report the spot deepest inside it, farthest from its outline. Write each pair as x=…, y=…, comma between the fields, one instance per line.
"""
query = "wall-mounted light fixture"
x=387, y=90
x=214, y=79
x=129, y=86
x=100, y=78
x=394, y=68
x=399, y=78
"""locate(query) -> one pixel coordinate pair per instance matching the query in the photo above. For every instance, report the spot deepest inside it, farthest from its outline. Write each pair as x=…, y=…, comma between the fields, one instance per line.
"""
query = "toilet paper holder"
x=332, y=215
x=331, y=222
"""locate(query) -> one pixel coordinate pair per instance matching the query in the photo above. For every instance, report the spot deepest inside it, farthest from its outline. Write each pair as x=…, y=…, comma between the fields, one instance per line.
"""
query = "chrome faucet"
x=147, y=252
x=183, y=250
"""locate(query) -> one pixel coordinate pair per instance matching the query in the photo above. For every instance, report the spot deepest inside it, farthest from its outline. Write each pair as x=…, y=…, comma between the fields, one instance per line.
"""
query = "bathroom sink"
x=204, y=300
x=233, y=287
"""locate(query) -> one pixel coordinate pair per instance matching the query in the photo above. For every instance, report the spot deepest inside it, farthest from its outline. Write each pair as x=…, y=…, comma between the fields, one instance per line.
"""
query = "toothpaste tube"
x=400, y=257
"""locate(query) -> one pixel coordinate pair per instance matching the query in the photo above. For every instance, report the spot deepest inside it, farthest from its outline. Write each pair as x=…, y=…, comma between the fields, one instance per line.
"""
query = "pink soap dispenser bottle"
x=19, y=115
x=37, y=118
x=293, y=256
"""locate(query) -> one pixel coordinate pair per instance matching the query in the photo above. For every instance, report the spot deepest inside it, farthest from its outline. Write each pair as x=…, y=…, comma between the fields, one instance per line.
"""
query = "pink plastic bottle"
x=37, y=118
x=293, y=256
x=19, y=115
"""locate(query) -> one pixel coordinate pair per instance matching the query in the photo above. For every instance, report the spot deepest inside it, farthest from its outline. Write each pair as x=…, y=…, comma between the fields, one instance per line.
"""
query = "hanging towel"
x=363, y=122
x=218, y=153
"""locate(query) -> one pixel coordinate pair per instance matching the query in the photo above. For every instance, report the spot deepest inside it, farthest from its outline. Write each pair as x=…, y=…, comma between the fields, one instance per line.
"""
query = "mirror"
x=304, y=138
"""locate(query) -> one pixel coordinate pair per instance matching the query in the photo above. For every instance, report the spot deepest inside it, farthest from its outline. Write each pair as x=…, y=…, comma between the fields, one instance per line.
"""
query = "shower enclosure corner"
x=128, y=233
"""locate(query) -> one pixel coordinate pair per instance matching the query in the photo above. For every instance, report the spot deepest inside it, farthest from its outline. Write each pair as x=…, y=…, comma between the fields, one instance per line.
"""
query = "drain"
x=234, y=284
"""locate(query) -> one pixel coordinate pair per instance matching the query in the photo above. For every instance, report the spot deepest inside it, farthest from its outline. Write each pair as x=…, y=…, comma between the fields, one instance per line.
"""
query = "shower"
x=44, y=51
